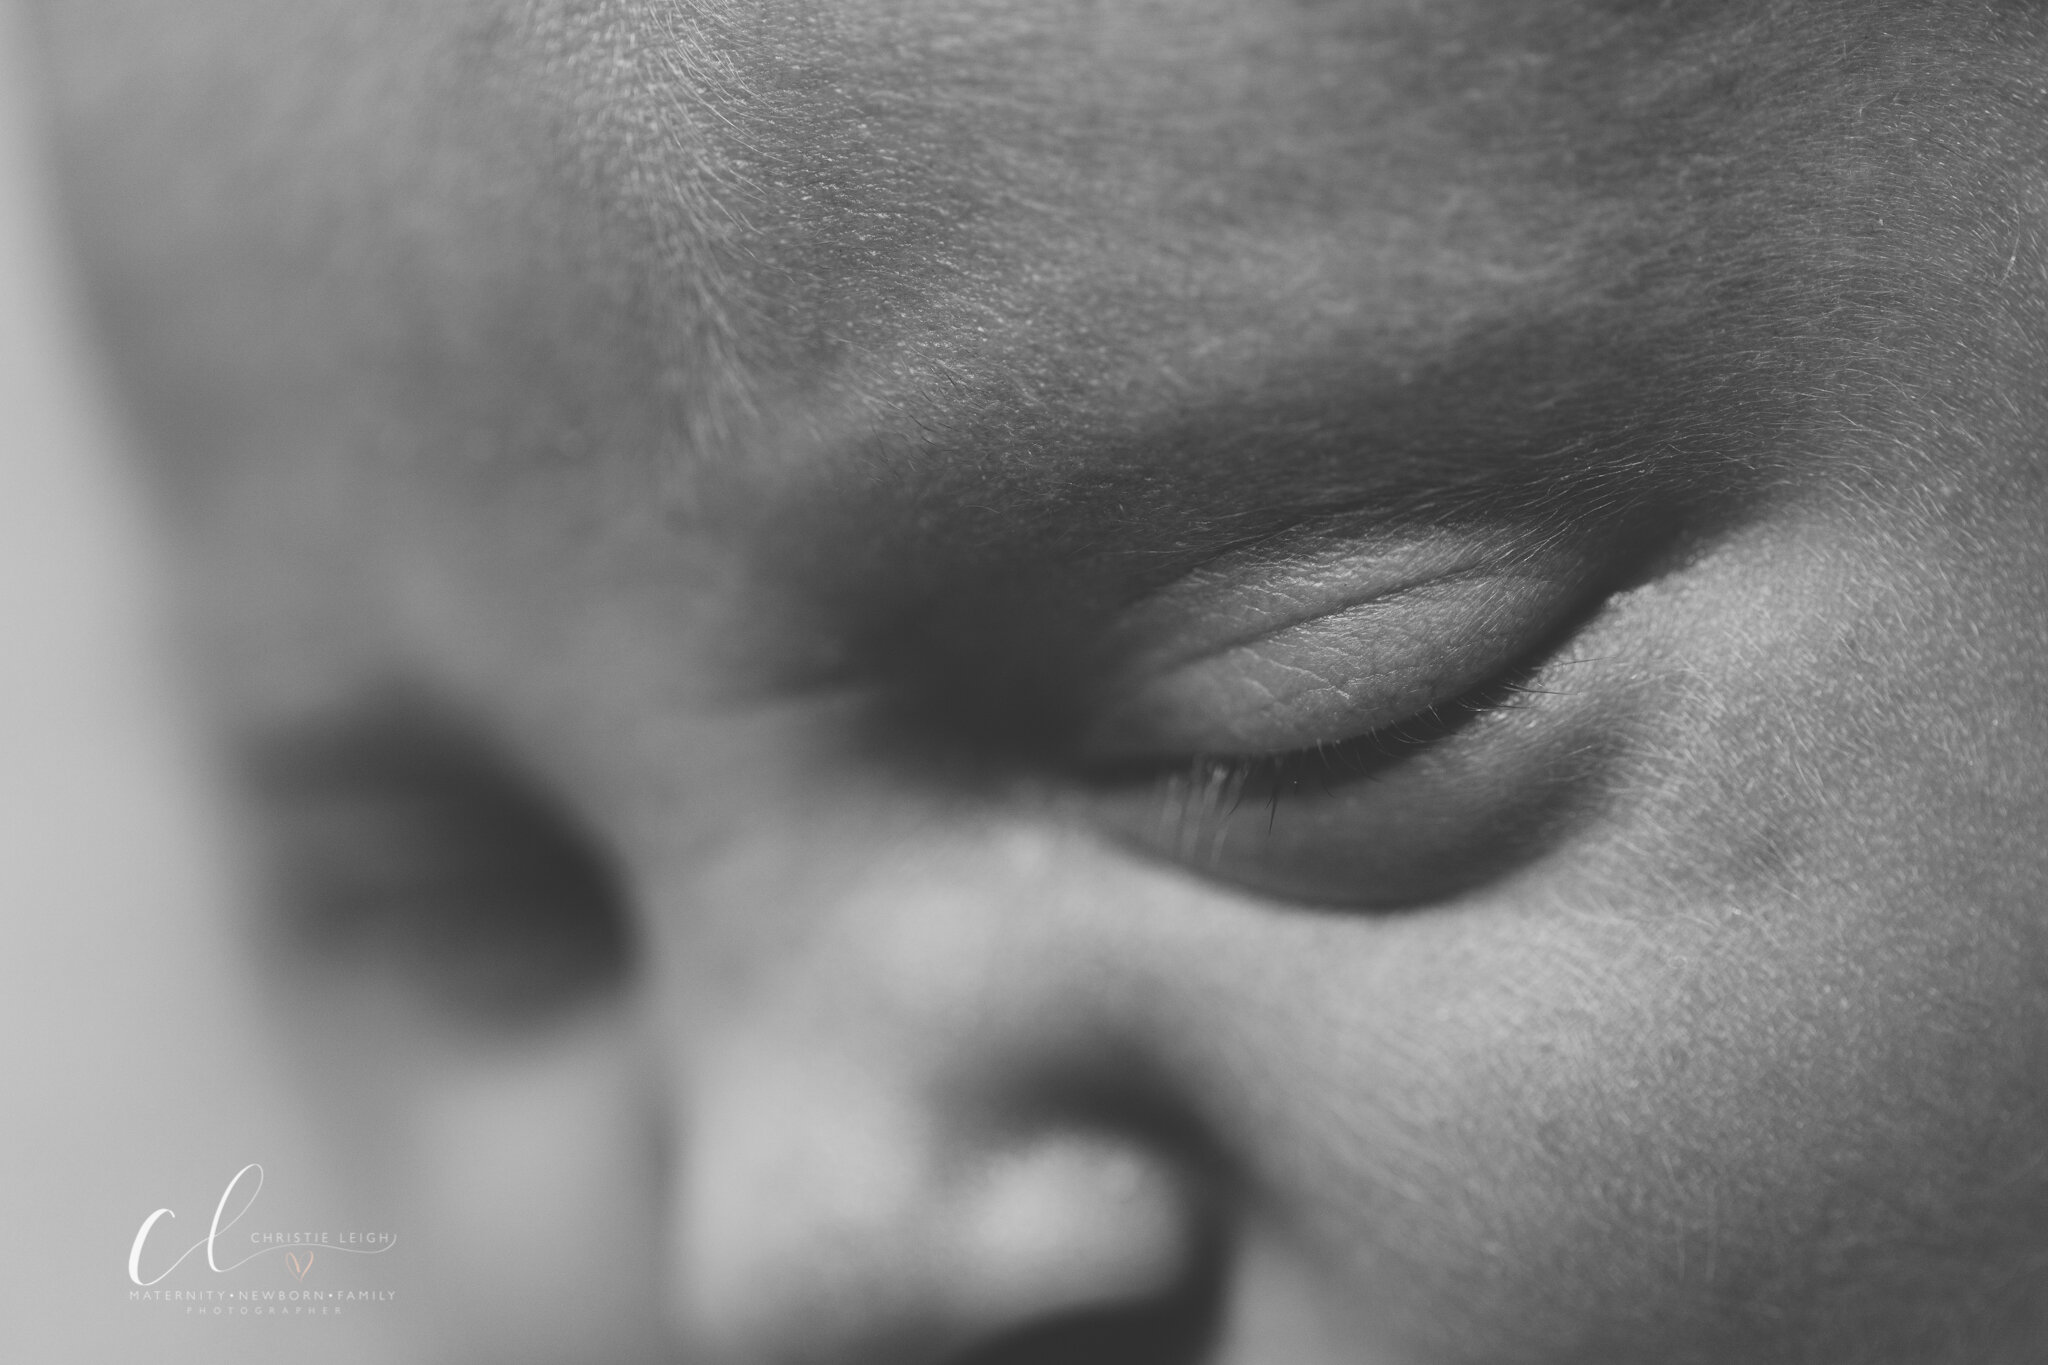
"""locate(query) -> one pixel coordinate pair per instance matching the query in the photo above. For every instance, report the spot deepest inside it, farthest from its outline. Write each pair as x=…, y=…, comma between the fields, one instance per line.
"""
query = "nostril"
x=1150, y=1292
x=1178, y=1328
x=824, y=1215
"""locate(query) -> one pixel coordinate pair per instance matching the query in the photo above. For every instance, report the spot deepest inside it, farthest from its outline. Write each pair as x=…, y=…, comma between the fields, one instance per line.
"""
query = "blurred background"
x=137, y=1077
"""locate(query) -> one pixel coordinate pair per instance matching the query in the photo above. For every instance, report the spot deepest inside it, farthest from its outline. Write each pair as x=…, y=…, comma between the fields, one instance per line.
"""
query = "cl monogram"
x=213, y=1231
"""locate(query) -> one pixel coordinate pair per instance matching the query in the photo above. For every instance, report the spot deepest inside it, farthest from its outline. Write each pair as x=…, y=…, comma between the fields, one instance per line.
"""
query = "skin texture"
x=793, y=447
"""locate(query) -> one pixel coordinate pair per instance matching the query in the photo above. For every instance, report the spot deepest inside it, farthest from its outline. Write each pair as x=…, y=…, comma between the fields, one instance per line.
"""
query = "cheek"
x=1751, y=1071
x=1590, y=1143
x=521, y=1167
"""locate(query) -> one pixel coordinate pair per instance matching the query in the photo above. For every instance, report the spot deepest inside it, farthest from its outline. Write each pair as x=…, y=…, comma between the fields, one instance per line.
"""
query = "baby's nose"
x=826, y=1219
x=924, y=1158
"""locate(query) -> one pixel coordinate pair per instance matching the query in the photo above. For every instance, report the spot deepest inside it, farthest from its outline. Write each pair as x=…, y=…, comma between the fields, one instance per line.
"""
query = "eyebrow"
x=1582, y=425
x=977, y=561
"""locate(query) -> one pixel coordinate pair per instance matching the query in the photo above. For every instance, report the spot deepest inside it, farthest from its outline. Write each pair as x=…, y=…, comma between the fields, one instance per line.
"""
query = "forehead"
x=1071, y=219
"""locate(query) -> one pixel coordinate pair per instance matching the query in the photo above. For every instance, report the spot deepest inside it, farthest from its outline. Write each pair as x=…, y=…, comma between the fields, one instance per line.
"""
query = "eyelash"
x=1205, y=795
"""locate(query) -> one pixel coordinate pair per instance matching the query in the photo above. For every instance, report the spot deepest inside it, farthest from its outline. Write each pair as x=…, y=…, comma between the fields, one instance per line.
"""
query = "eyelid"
x=399, y=839
x=1359, y=645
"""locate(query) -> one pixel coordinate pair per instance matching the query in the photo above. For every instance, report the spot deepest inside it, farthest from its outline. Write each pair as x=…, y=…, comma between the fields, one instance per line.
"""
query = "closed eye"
x=1206, y=788
x=404, y=848
x=1440, y=800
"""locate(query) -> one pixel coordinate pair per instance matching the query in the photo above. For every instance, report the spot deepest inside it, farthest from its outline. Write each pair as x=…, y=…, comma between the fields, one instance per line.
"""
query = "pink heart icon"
x=291, y=1259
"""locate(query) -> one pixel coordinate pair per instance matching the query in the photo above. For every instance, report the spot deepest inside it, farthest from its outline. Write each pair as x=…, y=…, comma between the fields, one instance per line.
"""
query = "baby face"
x=1235, y=681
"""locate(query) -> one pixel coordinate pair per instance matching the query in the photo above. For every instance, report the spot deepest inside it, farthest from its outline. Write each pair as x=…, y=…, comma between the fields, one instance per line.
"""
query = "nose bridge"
x=869, y=1163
